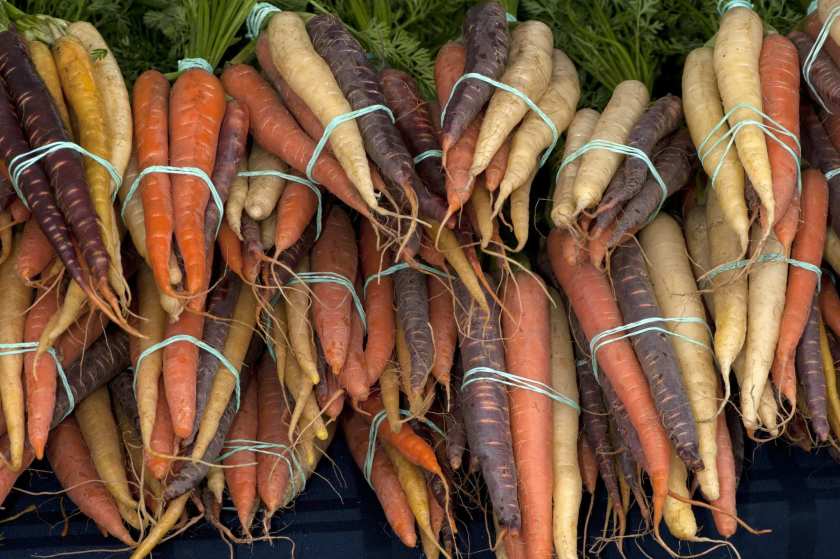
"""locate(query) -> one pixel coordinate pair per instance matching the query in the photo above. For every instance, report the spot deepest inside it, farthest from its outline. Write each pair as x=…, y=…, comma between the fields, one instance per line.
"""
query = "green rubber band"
x=402, y=266
x=189, y=63
x=515, y=381
x=256, y=18
x=375, y=424
x=831, y=174
x=196, y=342
x=510, y=18
x=286, y=453
x=29, y=347
x=819, y=42
x=724, y=6
x=623, y=150
x=555, y=134
x=703, y=151
x=605, y=338
x=427, y=154
x=335, y=123
x=812, y=7
x=293, y=178
x=331, y=277
x=769, y=257
x=23, y=161
x=192, y=171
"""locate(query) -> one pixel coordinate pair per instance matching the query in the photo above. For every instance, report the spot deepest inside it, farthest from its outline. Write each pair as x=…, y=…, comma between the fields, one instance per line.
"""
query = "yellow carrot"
x=580, y=130
x=263, y=191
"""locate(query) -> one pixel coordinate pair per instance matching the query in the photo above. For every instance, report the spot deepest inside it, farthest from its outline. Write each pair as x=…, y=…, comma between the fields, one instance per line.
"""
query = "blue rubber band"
x=196, y=342
x=192, y=171
x=769, y=257
x=427, y=154
x=555, y=134
x=812, y=7
x=402, y=266
x=257, y=16
x=286, y=453
x=819, y=42
x=606, y=337
x=515, y=381
x=724, y=6
x=331, y=277
x=831, y=174
x=623, y=150
x=23, y=161
x=293, y=178
x=29, y=347
x=189, y=63
x=375, y=424
x=510, y=18
x=335, y=123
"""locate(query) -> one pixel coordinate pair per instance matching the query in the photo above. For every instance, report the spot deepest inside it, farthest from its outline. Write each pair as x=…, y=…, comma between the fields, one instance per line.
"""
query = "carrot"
x=99, y=430
x=37, y=371
x=823, y=72
x=809, y=372
x=273, y=475
x=480, y=208
x=162, y=443
x=35, y=254
x=151, y=136
x=807, y=247
x=767, y=407
x=241, y=478
x=529, y=69
x=822, y=154
x=830, y=379
x=456, y=257
x=829, y=302
x=580, y=131
x=486, y=405
x=301, y=339
x=44, y=63
x=598, y=166
x=703, y=112
x=486, y=40
x=335, y=252
x=414, y=486
x=495, y=171
x=230, y=246
x=444, y=329
x=812, y=26
x=379, y=304
x=180, y=365
x=263, y=191
x=779, y=71
x=17, y=296
x=587, y=465
x=456, y=435
x=657, y=356
x=383, y=480
x=412, y=298
x=588, y=289
x=295, y=210
x=252, y=250
x=354, y=377
x=329, y=394
x=678, y=515
x=725, y=523
x=148, y=371
x=832, y=250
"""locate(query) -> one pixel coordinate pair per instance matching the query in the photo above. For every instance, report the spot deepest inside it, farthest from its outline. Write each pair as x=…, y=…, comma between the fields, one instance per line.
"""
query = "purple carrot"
x=412, y=298
x=820, y=152
x=825, y=76
x=809, y=371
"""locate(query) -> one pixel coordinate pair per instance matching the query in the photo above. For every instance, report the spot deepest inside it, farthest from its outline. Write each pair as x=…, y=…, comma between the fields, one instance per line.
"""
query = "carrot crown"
x=213, y=27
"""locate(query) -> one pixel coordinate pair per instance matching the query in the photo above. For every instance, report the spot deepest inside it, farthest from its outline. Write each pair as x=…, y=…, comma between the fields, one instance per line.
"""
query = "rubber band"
x=623, y=150
x=335, y=123
x=427, y=154
x=831, y=174
x=293, y=178
x=769, y=257
x=289, y=456
x=29, y=347
x=604, y=338
x=812, y=7
x=555, y=134
x=724, y=6
x=23, y=161
x=196, y=342
x=510, y=18
x=189, y=63
x=819, y=42
x=703, y=151
x=515, y=381
x=374, y=433
x=192, y=171
x=331, y=277
x=257, y=16
x=402, y=266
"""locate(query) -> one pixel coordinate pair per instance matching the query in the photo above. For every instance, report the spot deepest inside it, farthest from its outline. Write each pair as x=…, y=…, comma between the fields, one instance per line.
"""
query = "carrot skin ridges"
x=412, y=299
x=809, y=372
x=233, y=139
x=486, y=406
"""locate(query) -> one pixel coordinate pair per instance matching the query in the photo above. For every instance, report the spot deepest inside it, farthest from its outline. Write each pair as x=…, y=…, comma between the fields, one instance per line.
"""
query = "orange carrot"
x=725, y=523
x=295, y=209
x=807, y=247
x=162, y=441
x=830, y=305
x=379, y=304
x=588, y=465
x=354, y=377
x=591, y=297
x=70, y=460
x=444, y=329
x=779, y=71
x=36, y=252
x=495, y=172
x=332, y=305
x=272, y=471
x=231, y=248
x=241, y=475
x=37, y=370
x=180, y=367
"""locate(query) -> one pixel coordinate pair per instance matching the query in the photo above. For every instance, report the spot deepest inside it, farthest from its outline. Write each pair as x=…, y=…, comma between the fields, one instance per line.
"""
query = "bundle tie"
x=625, y=151
x=166, y=169
x=724, y=6
x=335, y=123
x=196, y=342
x=819, y=42
x=332, y=277
x=832, y=173
x=29, y=347
x=189, y=63
x=427, y=154
x=256, y=18
x=606, y=337
x=510, y=18
x=293, y=178
x=515, y=381
x=769, y=257
x=23, y=161
x=402, y=266
x=703, y=151
x=367, y=468
x=285, y=453
x=555, y=134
